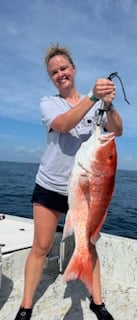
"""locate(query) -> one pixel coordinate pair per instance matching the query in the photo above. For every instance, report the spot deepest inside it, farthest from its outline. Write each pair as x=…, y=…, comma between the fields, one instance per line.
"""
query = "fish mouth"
x=106, y=138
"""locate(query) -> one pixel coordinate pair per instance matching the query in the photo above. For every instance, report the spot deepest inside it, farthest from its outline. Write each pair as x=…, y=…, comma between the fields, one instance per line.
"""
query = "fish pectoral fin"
x=68, y=229
x=83, y=191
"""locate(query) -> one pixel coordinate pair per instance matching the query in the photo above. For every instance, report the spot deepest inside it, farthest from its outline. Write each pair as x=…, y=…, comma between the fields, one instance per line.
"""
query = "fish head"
x=104, y=154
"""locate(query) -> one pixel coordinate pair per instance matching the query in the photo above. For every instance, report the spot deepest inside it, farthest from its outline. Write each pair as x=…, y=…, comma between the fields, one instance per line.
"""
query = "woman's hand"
x=104, y=89
x=108, y=99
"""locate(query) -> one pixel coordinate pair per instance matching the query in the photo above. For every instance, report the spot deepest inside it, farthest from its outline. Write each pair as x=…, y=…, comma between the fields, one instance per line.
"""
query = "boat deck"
x=55, y=300
x=15, y=233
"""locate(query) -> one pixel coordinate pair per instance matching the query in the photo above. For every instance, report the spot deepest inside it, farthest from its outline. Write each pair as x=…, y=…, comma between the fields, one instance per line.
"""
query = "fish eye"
x=110, y=156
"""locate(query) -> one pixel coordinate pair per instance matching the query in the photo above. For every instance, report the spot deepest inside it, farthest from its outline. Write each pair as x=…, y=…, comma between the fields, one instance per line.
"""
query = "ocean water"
x=16, y=185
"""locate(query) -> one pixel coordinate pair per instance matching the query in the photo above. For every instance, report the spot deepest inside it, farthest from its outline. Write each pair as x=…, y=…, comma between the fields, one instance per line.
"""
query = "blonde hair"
x=56, y=50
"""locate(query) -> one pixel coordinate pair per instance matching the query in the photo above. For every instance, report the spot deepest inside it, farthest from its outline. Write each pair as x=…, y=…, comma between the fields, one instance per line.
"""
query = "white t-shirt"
x=57, y=161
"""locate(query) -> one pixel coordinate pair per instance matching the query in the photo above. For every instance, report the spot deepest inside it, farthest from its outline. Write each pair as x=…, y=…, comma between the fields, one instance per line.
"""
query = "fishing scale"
x=102, y=110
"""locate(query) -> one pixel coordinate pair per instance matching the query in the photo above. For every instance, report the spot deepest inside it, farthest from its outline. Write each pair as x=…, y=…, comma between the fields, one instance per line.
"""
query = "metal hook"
x=115, y=74
x=101, y=110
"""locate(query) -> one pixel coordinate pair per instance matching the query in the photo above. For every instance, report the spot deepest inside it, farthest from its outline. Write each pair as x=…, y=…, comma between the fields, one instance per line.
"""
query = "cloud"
x=6, y=136
x=33, y=151
x=12, y=30
x=29, y=154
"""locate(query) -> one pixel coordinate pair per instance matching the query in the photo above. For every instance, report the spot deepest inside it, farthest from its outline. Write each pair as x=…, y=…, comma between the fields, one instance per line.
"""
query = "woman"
x=69, y=118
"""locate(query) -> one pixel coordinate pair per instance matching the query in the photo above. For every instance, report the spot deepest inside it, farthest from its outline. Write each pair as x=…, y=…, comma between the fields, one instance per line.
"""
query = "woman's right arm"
x=68, y=120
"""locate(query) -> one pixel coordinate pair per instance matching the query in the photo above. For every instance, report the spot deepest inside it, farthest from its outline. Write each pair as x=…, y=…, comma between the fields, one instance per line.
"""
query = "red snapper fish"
x=90, y=191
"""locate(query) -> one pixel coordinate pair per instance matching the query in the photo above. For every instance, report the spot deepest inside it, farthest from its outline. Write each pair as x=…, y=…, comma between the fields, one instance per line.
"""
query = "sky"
x=102, y=38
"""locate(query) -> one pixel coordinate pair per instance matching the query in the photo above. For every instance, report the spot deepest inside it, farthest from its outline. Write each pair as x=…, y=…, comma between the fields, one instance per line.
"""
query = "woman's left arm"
x=114, y=121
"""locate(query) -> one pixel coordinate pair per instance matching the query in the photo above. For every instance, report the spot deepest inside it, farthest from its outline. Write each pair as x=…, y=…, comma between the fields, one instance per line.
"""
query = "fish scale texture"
x=89, y=193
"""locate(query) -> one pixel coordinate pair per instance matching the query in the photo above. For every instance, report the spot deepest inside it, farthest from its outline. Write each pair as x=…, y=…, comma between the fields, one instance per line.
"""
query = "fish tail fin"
x=80, y=268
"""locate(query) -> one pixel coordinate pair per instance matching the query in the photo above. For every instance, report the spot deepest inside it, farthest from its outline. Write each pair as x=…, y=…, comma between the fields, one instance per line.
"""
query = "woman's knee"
x=41, y=249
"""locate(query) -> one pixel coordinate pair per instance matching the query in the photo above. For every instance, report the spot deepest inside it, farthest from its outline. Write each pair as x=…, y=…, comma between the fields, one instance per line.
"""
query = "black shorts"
x=50, y=199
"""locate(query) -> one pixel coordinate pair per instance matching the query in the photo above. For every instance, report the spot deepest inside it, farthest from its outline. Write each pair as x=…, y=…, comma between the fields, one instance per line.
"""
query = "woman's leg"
x=96, y=304
x=45, y=223
x=96, y=282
